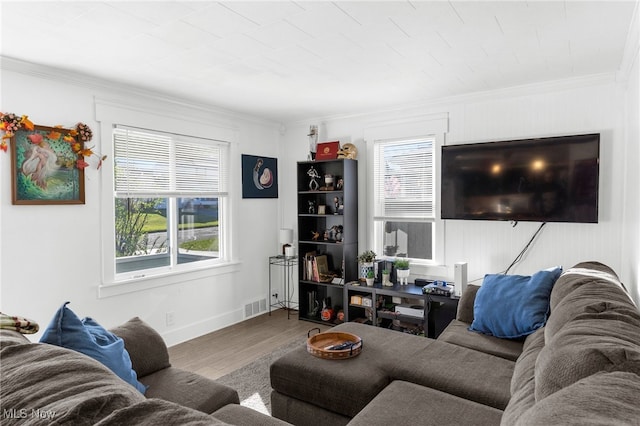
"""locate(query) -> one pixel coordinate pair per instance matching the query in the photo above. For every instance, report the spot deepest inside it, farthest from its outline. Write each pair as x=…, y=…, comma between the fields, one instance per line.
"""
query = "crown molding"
x=123, y=90
x=482, y=96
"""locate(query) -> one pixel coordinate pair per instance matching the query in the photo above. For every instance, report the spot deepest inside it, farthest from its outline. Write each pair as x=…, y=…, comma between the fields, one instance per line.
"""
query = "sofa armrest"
x=146, y=348
x=465, y=305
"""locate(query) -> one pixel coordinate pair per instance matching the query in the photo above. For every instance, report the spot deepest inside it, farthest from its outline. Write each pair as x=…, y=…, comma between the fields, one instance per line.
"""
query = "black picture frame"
x=259, y=176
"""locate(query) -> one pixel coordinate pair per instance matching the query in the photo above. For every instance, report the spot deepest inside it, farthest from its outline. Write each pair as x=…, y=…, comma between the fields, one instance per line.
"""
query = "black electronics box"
x=421, y=282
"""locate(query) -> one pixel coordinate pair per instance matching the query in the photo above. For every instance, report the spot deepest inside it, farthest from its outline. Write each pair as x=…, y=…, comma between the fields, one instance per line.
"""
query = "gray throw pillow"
x=146, y=347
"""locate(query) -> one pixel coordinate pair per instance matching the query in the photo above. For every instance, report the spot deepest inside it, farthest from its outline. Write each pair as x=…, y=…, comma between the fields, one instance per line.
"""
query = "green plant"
x=130, y=222
x=370, y=274
x=402, y=264
x=367, y=256
x=386, y=272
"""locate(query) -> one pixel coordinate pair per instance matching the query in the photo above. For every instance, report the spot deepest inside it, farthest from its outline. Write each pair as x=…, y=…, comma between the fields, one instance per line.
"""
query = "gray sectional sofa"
x=582, y=367
x=43, y=384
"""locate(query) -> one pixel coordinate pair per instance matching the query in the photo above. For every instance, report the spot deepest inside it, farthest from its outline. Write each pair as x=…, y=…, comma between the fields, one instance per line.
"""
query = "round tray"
x=321, y=344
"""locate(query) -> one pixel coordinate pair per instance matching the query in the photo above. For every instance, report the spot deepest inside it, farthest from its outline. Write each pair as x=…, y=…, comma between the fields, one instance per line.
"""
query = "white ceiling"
x=290, y=60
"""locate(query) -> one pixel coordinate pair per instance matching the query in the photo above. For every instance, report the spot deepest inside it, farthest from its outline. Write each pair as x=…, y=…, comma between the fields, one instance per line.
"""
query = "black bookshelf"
x=317, y=232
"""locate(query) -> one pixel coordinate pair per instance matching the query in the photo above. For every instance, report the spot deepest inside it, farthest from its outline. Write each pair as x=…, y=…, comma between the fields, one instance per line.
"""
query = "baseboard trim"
x=200, y=328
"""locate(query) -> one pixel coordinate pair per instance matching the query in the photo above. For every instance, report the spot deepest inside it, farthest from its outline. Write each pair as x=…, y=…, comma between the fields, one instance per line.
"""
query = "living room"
x=53, y=254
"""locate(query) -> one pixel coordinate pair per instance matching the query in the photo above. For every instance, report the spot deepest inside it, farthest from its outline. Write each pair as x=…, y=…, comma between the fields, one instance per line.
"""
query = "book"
x=327, y=150
x=323, y=264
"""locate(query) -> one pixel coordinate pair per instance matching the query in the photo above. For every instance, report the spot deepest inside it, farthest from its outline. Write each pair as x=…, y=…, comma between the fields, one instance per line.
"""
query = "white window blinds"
x=154, y=164
x=403, y=179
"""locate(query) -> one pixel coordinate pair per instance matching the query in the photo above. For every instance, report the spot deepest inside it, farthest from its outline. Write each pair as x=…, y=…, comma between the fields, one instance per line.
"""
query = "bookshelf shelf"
x=327, y=230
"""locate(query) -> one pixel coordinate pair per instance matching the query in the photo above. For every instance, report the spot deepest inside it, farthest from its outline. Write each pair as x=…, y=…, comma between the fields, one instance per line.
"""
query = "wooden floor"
x=216, y=354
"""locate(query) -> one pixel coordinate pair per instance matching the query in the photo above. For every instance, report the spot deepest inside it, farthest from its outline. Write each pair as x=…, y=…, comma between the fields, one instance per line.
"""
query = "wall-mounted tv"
x=552, y=179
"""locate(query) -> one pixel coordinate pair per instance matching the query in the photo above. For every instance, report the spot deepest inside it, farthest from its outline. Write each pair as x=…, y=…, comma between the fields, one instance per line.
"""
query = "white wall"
x=631, y=226
x=51, y=254
x=585, y=105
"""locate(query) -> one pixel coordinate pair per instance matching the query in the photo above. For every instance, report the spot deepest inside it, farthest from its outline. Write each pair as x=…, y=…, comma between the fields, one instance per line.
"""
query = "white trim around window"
x=428, y=126
x=196, y=124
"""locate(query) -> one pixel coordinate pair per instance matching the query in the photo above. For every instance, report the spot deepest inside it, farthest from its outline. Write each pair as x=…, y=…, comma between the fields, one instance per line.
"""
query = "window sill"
x=142, y=283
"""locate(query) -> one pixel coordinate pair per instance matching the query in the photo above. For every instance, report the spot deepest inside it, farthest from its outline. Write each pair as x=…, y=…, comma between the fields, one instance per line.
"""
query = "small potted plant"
x=386, y=275
x=402, y=270
x=365, y=259
x=369, y=278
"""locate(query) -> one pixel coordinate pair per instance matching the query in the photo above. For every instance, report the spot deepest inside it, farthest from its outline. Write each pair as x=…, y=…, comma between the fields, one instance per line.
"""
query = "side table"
x=288, y=263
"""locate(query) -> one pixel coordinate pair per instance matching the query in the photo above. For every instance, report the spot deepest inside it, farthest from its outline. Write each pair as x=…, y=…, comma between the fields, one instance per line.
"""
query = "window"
x=170, y=192
x=403, y=198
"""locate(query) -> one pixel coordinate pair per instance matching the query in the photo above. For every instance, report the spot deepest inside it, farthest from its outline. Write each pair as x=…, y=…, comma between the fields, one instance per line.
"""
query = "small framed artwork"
x=259, y=177
x=322, y=209
x=44, y=167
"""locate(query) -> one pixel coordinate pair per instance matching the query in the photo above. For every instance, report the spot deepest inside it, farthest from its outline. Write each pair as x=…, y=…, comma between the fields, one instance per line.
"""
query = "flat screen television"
x=552, y=179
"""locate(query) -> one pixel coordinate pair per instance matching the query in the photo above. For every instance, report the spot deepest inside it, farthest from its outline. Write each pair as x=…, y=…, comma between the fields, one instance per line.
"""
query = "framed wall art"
x=259, y=177
x=44, y=167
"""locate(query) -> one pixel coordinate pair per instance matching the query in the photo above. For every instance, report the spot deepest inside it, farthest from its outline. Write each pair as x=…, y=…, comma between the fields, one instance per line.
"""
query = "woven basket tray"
x=321, y=344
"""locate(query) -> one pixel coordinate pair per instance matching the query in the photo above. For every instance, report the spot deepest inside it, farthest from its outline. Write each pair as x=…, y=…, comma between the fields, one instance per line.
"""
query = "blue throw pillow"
x=90, y=338
x=512, y=306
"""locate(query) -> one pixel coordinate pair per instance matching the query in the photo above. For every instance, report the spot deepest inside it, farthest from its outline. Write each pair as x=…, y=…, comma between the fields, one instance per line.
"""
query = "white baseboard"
x=197, y=329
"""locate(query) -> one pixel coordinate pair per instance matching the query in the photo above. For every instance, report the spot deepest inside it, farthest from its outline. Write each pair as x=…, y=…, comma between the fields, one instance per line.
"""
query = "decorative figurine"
x=312, y=207
x=338, y=233
x=315, y=236
x=313, y=174
x=336, y=203
x=328, y=181
x=313, y=141
x=340, y=184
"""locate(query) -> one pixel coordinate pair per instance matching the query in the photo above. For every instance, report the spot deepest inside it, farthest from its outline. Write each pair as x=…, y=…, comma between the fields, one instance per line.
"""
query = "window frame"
x=168, y=183
x=428, y=126
x=197, y=124
x=379, y=218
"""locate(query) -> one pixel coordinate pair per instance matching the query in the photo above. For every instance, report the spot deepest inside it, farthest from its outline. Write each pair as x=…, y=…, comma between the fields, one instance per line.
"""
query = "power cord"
x=520, y=255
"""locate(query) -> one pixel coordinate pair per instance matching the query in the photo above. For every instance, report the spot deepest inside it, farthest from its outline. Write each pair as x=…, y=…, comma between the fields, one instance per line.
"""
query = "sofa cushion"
x=71, y=387
x=584, y=347
x=146, y=347
x=466, y=302
x=579, y=275
x=153, y=412
x=600, y=399
x=404, y=403
x=238, y=415
x=524, y=370
x=456, y=370
x=579, y=291
x=512, y=306
x=299, y=412
x=189, y=389
x=457, y=332
x=90, y=338
x=523, y=380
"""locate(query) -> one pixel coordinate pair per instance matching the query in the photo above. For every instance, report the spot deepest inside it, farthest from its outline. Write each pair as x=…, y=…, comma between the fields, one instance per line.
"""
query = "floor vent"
x=255, y=308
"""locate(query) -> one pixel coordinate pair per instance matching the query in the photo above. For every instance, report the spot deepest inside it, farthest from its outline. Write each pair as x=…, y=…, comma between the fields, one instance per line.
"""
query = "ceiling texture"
x=291, y=60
